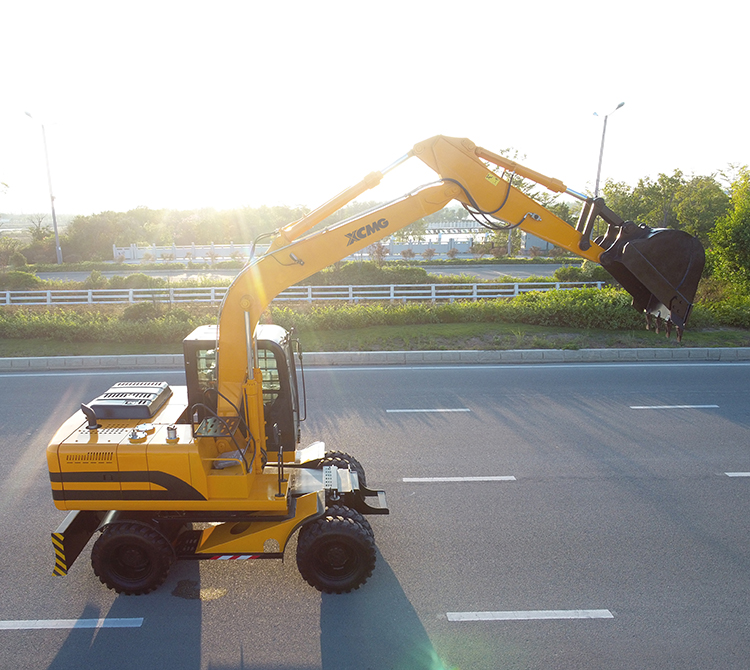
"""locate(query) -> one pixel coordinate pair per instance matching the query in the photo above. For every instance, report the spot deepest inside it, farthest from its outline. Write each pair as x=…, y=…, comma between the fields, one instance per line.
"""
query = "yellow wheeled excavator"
x=214, y=469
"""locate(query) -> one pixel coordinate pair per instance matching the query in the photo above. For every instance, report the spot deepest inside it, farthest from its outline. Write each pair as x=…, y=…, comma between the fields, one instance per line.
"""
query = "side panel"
x=251, y=537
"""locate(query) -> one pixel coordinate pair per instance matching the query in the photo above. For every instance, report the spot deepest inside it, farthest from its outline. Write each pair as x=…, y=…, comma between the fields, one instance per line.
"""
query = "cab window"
x=270, y=370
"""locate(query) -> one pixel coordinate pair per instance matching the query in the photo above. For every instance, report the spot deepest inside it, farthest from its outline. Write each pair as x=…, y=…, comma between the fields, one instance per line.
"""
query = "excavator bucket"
x=659, y=267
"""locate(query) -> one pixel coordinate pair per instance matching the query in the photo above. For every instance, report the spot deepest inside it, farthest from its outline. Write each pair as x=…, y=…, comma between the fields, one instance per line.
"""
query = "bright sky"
x=224, y=104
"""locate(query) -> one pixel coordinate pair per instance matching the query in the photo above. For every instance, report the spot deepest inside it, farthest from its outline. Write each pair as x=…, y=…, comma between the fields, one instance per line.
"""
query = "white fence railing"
x=393, y=293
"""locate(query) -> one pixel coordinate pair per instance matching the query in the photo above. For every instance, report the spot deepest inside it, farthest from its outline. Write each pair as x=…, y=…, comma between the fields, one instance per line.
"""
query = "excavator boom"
x=659, y=268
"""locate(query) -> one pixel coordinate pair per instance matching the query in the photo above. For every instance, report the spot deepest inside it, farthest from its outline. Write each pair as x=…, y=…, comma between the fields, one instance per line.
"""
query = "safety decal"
x=492, y=178
x=61, y=567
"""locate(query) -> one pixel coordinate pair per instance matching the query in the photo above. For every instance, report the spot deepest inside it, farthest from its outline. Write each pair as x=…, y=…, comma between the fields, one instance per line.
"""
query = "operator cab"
x=276, y=349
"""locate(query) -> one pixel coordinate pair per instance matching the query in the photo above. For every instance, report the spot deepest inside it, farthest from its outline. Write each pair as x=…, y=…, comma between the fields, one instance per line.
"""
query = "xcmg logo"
x=366, y=231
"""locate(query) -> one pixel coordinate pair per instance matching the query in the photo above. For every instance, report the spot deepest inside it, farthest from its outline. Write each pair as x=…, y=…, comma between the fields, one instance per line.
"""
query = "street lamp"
x=601, y=149
x=58, y=250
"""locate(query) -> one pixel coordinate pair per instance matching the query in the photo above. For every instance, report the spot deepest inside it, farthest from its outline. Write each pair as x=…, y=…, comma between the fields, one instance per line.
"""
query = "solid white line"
x=529, y=615
x=67, y=372
x=427, y=410
x=674, y=406
x=23, y=372
x=470, y=367
x=737, y=474
x=39, y=624
x=501, y=478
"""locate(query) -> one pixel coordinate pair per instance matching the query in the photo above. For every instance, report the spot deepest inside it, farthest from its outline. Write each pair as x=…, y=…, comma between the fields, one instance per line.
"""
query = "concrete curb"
x=162, y=361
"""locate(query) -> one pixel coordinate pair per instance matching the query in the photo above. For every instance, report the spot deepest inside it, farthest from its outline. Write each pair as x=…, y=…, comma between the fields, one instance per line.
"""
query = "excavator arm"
x=660, y=268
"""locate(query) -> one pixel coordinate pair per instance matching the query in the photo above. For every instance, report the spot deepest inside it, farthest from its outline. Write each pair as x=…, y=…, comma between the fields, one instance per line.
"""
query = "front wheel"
x=131, y=558
x=336, y=554
x=343, y=460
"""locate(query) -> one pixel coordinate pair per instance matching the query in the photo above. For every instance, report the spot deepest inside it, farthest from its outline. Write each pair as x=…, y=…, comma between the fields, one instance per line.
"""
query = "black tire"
x=335, y=554
x=349, y=513
x=131, y=558
x=343, y=460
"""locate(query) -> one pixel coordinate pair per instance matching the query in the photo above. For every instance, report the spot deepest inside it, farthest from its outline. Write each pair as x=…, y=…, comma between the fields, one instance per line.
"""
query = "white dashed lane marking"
x=674, y=407
x=499, y=478
x=46, y=624
x=530, y=615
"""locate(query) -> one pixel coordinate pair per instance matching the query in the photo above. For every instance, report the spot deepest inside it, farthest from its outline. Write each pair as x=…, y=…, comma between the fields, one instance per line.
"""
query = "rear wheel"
x=131, y=558
x=336, y=553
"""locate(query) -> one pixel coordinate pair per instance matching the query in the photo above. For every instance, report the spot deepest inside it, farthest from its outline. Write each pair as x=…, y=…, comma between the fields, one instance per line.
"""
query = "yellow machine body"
x=145, y=458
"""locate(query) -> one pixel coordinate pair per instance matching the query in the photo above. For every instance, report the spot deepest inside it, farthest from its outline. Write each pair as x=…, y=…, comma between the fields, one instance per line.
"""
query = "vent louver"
x=131, y=400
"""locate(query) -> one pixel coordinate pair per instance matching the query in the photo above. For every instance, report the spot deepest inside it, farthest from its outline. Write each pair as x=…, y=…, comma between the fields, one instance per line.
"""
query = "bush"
x=17, y=259
x=137, y=280
x=88, y=325
x=568, y=273
x=607, y=308
x=733, y=311
x=95, y=280
x=16, y=280
x=141, y=311
x=368, y=272
x=588, y=271
x=579, y=308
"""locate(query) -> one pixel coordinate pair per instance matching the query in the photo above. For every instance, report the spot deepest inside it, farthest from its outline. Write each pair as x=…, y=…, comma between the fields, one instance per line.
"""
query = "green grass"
x=486, y=336
x=41, y=347
x=437, y=336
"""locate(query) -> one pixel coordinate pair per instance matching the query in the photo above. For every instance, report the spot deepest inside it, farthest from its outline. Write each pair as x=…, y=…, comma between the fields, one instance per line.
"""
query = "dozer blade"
x=660, y=268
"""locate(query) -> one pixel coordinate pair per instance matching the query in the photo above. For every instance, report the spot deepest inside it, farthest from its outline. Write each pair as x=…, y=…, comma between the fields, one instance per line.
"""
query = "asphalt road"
x=621, y=520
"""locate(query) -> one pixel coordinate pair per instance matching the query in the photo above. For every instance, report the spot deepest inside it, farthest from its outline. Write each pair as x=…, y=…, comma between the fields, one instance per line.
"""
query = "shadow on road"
x=375, y=627
x=170, y=636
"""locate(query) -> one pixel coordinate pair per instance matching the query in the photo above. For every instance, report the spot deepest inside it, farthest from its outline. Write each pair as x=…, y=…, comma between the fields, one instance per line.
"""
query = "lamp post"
x=601, y=149
x=58, y=250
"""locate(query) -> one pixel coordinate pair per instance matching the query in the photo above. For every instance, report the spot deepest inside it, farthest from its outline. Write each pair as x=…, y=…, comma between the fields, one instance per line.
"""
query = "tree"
x=650, y=202
x=378, y=252
x=8, y=247
x=671, y=201
x=447, y=215
x=623, y=200
x=701, y=202
x=563, y=210
x=38, y=230
x=731, y=236
x=408, y=254
x=508, y=240
x=661, y=198
x=428, y=254
x=415, y=231
x=480, y=249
